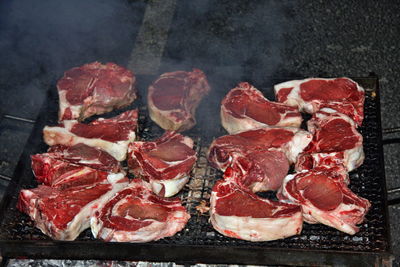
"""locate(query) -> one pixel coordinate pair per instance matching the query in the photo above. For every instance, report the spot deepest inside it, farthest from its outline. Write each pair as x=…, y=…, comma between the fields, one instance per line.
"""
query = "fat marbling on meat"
x=165, y=162
x=136, y=214
x=111, y=135
x=310, y=95
x=246, y=108
x=239, y=213
x=93, y=89
x=174, y=97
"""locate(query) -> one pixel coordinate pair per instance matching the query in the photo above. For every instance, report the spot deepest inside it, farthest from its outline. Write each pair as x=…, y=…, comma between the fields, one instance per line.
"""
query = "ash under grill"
x=368, y=181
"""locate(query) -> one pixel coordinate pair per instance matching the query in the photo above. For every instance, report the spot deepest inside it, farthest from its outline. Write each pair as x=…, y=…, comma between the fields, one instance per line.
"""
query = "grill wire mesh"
x=367, y=181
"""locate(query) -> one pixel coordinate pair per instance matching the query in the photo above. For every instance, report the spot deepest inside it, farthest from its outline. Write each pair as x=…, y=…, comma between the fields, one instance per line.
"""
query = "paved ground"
x=235, y=40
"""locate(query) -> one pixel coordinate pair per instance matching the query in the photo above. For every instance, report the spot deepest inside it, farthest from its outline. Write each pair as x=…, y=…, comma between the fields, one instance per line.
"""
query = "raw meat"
x=62, y=174
x=310, y=95
x=82, y=154
x=260, y=170
x=165, y=162
x=94, y=89
x=136, y=214
x=173, y=98
x=325, y=198
x=111, y=135
x=245, y=108
x=63, y=213
x=225, y=149
x=335, y=142
x=241, y=214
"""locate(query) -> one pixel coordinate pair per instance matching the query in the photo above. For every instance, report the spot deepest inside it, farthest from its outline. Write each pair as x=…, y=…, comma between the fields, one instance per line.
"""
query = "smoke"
x=231, y=41
x=40, y=40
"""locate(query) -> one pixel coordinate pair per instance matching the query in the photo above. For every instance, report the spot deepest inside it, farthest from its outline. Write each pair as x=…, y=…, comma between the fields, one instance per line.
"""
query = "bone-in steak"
x=225, y=149
x=336, y=141
x=310, y=95
x=111, y=135
x=64, y=212
x=325, y=198
x=261, y=170
x=173, y=98
x=241, y=214
x=94, y=89
x=165, y=162
x=136, y=214
x=245, y=108
x=82, y=154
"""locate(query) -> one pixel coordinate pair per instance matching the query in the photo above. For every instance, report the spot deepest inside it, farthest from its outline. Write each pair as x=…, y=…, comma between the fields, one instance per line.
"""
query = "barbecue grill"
x=198, y=242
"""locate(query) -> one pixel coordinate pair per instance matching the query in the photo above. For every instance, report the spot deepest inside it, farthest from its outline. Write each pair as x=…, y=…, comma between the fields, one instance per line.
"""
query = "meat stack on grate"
x=257, y=159
x=81, y=180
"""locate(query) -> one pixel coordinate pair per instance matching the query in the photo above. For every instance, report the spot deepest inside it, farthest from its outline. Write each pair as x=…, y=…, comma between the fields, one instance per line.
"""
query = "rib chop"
x=335, y=142
x=111, y=135
x=94, y=89
x=325, y=198
x=310, y=95
x=136, y=214
x=225, y=149
x=165, y=162
x=64, y=212
x=245, y=108
x=173, y=98
x=84, y=155
x=239, y=213
x=261, y=170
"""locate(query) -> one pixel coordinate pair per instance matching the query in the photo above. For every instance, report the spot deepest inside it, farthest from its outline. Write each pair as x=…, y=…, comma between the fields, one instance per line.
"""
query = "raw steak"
x=245, y=108
x=225, y=149
x=165, y=162
x=94, y=89
x=310, y=95
x=136, y=214
x=335, y=142
x=260, y=170
x=325, y=198
x=82, y=154
x=173, y=98
x=111, y=135
x=241, y=214
x=63, y=213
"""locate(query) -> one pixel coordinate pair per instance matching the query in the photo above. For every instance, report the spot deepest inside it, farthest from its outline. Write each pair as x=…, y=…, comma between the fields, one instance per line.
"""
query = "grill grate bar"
x=391, y=130
x=18, y=118
x=5, y=177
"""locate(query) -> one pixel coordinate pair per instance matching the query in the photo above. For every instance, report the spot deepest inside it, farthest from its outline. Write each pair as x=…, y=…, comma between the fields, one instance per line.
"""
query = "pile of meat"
x=82, y=183
x=265, y=139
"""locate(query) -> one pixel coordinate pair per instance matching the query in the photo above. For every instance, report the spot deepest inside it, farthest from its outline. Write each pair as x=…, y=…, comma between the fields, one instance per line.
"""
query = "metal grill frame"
x=198, y=242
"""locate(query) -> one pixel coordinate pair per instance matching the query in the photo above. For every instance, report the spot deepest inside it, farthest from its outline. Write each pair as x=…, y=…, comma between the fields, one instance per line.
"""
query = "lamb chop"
x=224, y=150
x=173, y=98
x=239, y=213
x=62, y=211
x=136, y=214
x=94, y=89
x=111, y=135
x=310, y=95
x=165, y=163
x=325, y=198
x=246, y=108
x=335, y=142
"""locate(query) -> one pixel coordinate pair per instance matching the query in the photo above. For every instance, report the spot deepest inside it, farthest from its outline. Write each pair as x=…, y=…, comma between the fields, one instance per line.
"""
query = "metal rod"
x=391, y=141
x=391, y=130
x=394, y=190
x=18, y=118
x=5, y=177
x=394, y=201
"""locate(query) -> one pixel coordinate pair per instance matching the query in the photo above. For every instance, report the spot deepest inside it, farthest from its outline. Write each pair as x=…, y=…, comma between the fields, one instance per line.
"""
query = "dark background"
x=232, y=41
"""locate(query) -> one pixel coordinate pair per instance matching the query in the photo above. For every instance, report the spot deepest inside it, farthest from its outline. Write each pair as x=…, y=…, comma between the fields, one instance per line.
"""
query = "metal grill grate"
x=367, y=181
